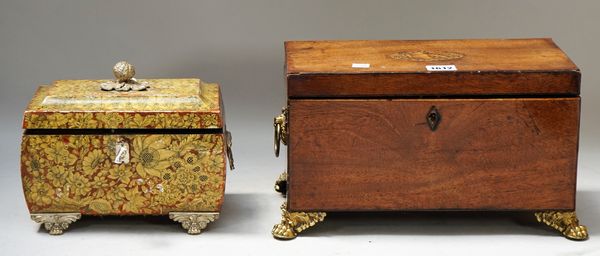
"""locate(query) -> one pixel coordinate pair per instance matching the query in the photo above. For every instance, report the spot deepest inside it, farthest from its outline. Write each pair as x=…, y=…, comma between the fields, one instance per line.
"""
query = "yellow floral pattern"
x=75, y=173
x=168, y=103
x=120, y=120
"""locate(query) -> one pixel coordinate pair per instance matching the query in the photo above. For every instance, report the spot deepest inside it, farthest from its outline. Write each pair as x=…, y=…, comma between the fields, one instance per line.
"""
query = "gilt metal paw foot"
x=293, y=223
x=565, y=222
x=281, y=183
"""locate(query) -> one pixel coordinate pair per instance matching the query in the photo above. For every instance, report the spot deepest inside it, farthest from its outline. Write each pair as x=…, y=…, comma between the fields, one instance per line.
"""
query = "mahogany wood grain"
x=380, y=155
x=536, y=54
x=434, y=84
x=486, y=67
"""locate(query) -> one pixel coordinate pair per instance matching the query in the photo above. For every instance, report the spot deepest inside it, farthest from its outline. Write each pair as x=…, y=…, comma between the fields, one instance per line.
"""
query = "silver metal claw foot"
x=194, y=222
x=55, y=223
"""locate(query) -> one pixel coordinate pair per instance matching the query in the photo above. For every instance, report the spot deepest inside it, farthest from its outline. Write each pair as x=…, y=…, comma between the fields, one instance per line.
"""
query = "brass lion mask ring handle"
x=277, y=136
x=280, y=131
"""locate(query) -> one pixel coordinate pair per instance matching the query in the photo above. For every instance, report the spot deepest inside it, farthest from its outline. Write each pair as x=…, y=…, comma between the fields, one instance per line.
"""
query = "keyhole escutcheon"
x=433, y=118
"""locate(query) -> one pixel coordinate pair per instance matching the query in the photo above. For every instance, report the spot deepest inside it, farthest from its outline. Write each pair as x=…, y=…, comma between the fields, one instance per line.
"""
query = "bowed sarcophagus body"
x=160, y=150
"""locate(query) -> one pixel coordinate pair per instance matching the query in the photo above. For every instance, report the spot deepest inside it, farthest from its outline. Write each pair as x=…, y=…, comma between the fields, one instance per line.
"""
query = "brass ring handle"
x=280, y=131
x=229, y=150
x=277, y=137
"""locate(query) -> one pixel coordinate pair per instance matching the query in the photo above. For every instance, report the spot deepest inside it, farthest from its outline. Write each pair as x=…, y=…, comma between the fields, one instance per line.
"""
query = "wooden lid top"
x=393, y=56
x=481, y=61
x=165, y=104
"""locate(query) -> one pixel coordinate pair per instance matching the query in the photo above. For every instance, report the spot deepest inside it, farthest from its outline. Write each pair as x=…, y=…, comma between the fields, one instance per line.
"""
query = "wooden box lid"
x=391, y=68
x=165, y=104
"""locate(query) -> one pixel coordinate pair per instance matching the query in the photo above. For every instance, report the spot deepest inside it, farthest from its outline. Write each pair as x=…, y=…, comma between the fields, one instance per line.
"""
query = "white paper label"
x=440, y=67
x=361, y=65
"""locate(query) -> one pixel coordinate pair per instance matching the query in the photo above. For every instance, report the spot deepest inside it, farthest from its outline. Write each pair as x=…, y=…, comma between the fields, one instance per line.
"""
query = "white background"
x=240, y=45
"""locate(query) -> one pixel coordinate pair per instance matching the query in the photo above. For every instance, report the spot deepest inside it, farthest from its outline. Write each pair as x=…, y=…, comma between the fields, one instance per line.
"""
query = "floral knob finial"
x=124, y=73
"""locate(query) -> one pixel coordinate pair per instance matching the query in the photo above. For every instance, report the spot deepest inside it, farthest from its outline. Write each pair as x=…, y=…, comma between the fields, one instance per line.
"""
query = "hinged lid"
x=126, y=103
x=429, y=68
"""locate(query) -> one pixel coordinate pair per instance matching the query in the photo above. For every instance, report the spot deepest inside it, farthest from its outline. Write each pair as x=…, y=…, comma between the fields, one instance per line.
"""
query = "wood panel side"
x=380, y=155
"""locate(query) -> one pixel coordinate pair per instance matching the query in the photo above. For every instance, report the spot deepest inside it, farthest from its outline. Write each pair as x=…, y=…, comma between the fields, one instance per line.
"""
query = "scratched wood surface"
x=486, y=154
x=322, y=69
